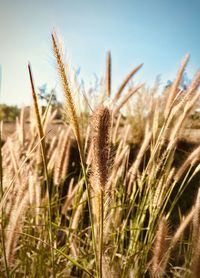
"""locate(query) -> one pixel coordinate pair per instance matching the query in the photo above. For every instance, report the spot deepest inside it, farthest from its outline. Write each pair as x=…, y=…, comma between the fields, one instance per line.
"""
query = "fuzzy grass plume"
x=71, y=111
x=100, y=171
x=106, y=221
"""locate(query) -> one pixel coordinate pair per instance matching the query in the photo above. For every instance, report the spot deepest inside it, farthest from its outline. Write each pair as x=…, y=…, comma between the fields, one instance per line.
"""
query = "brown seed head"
x=100, y=145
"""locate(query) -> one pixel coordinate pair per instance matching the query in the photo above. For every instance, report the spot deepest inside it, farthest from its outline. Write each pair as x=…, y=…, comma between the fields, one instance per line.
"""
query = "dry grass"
x=86, y=202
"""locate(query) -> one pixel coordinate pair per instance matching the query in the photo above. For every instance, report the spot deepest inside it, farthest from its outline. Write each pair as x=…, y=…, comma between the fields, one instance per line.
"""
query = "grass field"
x=112, y=192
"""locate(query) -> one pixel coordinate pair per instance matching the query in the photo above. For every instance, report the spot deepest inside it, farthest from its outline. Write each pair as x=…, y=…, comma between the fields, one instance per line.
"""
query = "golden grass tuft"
x=104, y=219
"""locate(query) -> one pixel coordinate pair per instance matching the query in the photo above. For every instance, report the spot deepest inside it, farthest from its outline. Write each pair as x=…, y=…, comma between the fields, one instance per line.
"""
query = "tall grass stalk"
x=71, y=111
x=175, y=85
x=44, y=157
x=105, y=187
x=100, y=171
x=125, y=82
x=108, y=74
x=158, y=261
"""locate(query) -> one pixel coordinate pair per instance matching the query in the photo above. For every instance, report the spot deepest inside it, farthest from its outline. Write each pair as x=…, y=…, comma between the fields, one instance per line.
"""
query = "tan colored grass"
x=183, y=225
x=108, y=74
x=132, y=173
x=191, y=160
x=36, y=106
x=119, y=218
x=100, y=129
x=160, y=247
x=195, y=264
x=62, y=160
x=71, y=111
x=14, y=228
x=175, y=85
x=126, y=98
x=196, y=220
x=21, y=126
x=116, y=129
x=125, y=82
x=100, y=139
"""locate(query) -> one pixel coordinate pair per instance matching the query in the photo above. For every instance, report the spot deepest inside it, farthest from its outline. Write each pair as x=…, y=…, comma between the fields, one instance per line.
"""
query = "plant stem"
x=44, y=158
x=2, y=210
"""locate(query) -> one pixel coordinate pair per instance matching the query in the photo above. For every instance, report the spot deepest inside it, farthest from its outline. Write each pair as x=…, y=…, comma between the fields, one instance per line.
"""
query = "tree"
x=8, y=113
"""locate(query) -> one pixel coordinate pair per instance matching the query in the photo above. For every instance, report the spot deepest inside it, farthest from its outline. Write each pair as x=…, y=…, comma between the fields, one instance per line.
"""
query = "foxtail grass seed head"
x=71, y=111
x=183, y=225
x=160, y=247
x=125, y=82
x=175, y=85
x=100, y=146
x=14, y=227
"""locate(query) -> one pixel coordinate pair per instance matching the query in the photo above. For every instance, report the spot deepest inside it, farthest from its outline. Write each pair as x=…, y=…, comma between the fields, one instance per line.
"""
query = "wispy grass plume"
x=71, y=111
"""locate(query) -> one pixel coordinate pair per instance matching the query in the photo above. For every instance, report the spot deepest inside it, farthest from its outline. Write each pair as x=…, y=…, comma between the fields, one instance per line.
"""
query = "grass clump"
x=84, y=200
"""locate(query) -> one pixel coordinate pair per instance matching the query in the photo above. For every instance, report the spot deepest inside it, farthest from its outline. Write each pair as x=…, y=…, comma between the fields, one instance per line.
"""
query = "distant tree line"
x=9, y=112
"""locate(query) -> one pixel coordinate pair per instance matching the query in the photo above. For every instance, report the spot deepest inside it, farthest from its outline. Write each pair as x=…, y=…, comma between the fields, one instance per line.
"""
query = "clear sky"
x=156, y=32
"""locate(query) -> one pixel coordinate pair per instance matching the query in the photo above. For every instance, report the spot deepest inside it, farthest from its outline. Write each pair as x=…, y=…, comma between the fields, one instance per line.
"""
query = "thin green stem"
x=61, y=253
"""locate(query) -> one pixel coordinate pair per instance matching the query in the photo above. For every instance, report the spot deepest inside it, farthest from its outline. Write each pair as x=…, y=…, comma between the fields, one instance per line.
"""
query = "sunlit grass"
x=87, y=200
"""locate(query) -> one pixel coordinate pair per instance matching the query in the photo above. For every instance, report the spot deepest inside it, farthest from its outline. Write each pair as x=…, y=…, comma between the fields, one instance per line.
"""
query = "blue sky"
x=158, y=33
